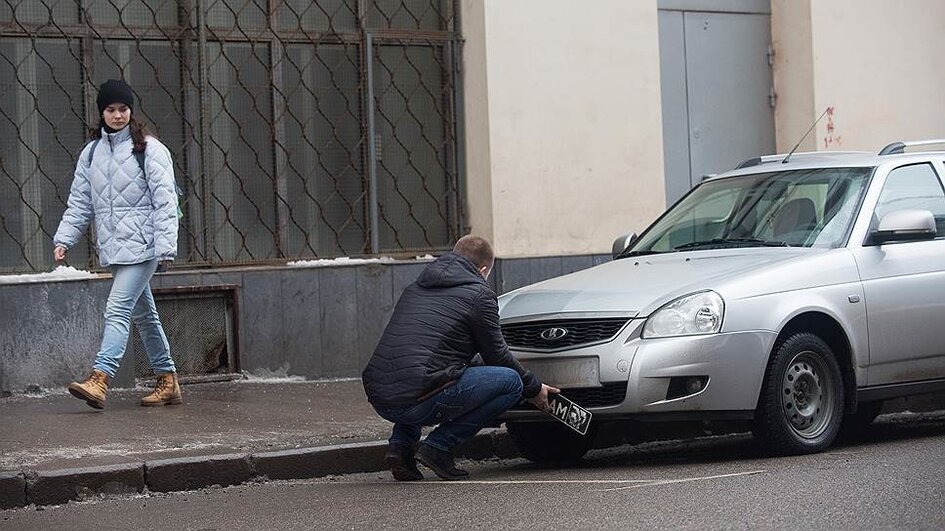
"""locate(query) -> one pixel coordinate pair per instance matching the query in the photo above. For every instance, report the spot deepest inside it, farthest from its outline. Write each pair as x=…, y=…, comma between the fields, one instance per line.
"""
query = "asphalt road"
x=893, y=479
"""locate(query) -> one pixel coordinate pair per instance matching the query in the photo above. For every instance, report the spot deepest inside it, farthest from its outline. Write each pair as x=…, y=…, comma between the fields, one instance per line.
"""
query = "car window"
x=805, y=208
x=913, y=187
x=706, y=220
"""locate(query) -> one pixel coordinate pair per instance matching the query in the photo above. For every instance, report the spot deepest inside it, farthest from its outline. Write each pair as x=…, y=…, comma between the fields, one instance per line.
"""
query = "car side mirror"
x=904, y=226
x=622, y=243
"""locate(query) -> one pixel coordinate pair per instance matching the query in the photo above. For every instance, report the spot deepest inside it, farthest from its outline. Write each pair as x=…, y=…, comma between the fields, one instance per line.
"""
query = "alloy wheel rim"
x=808, y=395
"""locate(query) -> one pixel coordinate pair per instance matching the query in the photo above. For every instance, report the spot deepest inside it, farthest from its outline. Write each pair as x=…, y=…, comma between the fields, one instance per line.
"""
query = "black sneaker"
x=401, y=463
x=440, y=462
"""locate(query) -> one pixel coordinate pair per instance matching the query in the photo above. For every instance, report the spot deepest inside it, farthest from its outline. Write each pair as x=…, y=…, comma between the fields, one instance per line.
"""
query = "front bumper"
x=734, y=363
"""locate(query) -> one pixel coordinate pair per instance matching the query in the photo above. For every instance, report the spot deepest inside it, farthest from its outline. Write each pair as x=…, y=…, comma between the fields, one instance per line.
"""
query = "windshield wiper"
x=747, y=242
x=629, y=253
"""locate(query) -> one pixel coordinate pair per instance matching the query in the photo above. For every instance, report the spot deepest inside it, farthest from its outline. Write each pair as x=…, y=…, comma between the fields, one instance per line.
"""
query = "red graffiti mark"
x=831, y=139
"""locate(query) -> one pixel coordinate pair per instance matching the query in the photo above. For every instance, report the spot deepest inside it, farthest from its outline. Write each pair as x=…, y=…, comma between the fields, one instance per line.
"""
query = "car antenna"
x=788, y=157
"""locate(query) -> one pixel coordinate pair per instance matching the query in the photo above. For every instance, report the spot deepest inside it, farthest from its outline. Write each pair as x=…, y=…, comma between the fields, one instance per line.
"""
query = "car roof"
x=826, y=159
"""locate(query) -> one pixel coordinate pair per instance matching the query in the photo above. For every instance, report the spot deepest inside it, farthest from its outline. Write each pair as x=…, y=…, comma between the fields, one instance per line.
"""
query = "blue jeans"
x=461, y=410
x=131, y=299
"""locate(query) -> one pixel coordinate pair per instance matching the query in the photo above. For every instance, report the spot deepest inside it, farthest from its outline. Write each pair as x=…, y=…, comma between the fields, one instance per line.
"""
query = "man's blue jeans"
x=461, y=410
x=131, y=299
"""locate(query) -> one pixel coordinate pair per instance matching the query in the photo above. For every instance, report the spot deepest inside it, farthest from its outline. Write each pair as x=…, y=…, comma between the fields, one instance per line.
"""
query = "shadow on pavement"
x=743, y=446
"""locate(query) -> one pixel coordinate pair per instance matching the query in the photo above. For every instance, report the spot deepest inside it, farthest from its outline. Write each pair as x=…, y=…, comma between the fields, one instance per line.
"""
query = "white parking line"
x=634, y=483
x=684, y=480
x=531, y=482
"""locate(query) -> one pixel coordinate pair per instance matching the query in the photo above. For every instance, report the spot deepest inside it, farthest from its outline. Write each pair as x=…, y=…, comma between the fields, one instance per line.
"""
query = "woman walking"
x=124, y=180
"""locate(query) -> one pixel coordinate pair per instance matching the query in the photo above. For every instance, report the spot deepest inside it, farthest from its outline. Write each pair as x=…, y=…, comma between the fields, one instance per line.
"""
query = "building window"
x=265, y=106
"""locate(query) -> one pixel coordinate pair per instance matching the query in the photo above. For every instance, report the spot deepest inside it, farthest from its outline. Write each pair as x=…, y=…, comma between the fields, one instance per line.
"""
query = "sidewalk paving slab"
x=57, y=431
x=55, y=449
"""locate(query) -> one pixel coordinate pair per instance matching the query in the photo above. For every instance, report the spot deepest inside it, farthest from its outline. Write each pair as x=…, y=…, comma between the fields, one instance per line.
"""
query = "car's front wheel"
x=545, y=442
x=801, y=405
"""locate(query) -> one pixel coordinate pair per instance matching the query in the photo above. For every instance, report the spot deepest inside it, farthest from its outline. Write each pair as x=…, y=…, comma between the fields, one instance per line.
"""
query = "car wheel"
x=801, y=405
x=544, y=442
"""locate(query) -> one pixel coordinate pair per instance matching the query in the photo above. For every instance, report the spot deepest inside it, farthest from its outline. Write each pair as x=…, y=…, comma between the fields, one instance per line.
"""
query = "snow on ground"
x=60, y=273
x=344, y=260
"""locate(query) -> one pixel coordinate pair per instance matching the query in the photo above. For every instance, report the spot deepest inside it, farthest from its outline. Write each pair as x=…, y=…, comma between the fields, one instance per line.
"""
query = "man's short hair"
x=476, y=249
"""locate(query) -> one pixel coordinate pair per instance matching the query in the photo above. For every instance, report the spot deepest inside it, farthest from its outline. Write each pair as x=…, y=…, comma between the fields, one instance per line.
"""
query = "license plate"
x=566, y=373
x=572, y=415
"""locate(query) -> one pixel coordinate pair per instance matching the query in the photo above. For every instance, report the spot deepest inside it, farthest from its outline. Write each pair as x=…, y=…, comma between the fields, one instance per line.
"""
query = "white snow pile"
x=345, y=261
x=60, y=273
x=282, y=376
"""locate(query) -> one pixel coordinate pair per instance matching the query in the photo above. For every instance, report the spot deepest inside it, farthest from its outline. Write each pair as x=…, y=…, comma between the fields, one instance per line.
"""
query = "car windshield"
x=798, y=208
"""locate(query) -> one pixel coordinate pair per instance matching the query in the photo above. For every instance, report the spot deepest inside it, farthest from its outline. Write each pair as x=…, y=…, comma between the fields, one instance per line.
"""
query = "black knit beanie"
x=115, y=91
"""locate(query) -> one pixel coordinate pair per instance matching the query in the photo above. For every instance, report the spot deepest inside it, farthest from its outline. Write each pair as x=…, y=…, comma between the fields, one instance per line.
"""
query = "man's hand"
x=59, y=253
x=162, y=266
x=541, y=399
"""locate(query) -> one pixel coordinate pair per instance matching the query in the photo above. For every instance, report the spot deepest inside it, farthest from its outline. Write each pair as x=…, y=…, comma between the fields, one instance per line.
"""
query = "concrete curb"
x=12, y=490
x=318, y=462
x=18, y=489
x=60, y=486
x=189, y=473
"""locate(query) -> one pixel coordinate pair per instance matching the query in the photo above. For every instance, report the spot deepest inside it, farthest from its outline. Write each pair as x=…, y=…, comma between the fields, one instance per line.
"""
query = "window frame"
x=874, y=220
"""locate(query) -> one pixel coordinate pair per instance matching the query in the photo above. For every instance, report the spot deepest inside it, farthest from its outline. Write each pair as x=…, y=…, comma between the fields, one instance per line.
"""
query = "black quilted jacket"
x=440, y=322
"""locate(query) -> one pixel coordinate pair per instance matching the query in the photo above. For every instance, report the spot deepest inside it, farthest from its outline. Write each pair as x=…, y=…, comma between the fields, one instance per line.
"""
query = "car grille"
x=610, y=394
x=579, y=332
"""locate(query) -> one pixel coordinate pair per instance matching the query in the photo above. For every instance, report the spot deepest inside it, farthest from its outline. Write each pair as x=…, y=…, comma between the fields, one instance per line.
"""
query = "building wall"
x=878, y=65
x=319, y=322
x=794, y=111
x=568, y=96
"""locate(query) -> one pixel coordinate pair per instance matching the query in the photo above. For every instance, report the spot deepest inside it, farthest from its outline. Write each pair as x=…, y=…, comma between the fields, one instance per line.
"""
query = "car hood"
x=636, y=286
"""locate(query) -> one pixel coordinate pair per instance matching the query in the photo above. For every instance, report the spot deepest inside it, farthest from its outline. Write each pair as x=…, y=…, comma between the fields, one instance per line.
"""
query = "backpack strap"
x=92, y=151
x=139, y=156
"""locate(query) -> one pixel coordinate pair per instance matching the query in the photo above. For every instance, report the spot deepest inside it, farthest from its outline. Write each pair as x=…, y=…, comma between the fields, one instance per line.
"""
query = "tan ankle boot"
x=166, y=391
x=92, y=390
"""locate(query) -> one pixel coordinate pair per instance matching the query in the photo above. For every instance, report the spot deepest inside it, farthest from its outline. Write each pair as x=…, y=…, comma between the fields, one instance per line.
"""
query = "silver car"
x=790, y=297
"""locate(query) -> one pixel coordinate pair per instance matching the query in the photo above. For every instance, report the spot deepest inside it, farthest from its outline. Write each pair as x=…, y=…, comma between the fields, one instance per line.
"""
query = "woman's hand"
x=59, y=253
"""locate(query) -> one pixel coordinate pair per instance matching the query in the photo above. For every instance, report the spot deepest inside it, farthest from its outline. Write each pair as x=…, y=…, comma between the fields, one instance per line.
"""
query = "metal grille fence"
x=298, y=128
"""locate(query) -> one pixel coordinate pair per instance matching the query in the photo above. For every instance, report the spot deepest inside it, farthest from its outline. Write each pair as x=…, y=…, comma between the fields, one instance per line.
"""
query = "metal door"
x=716, y=90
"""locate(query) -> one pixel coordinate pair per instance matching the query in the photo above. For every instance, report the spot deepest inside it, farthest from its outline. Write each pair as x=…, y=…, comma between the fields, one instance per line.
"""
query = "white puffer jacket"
x=135, y=214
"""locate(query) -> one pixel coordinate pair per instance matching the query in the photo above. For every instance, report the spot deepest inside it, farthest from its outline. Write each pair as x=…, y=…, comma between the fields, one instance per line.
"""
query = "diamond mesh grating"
x=197, y=329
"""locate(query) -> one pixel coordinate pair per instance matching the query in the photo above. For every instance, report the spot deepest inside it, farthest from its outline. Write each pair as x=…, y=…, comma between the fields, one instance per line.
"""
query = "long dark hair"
x=139, y=133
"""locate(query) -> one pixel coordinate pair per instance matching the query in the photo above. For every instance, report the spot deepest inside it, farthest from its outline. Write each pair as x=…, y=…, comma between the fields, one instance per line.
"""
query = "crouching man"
x=420, y=373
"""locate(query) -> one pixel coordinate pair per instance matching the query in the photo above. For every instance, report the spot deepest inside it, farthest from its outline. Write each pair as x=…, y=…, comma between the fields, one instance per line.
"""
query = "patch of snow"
x=60, y=273
x=346, y=261
x=281, y=376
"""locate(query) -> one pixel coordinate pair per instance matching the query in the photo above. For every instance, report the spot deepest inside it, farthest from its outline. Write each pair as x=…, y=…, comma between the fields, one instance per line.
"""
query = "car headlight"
x=696, y=314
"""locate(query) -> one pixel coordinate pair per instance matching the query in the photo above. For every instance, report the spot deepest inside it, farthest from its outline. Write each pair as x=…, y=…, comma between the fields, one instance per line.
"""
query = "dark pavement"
x=58, y=431
x=892, y=479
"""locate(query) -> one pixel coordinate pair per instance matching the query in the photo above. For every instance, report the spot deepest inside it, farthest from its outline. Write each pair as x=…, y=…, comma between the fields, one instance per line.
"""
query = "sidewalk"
x=56, y=448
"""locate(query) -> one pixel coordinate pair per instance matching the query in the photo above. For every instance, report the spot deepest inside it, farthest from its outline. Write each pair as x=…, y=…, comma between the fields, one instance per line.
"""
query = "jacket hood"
x=449, y=270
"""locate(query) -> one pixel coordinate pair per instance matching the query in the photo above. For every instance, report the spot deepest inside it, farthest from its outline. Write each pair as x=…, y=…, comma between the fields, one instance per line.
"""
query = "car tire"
x=800, y=409
x=544, y=442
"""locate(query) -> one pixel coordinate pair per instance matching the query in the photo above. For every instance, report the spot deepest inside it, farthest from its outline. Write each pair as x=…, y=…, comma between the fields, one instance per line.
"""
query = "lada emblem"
x=553, y=334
